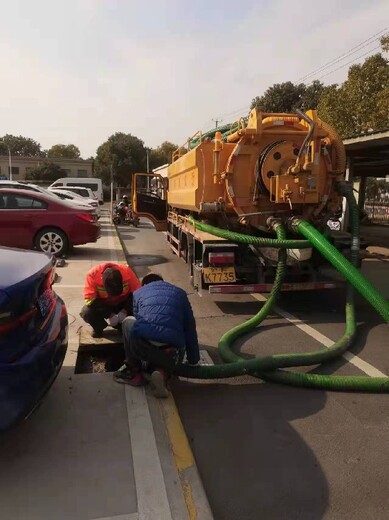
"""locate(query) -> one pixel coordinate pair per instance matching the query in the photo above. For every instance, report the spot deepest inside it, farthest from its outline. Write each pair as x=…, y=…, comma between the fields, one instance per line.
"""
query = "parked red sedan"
x=34, y=220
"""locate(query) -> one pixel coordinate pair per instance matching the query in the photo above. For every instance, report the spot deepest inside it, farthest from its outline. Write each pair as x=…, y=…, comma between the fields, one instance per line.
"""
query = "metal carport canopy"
x=368, y=154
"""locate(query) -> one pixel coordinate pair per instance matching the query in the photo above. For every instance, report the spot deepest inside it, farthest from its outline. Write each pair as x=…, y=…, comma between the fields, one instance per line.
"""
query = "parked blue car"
x=33, y=332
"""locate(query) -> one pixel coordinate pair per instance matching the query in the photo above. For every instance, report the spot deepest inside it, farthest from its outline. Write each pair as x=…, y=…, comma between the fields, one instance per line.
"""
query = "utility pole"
x=9, y=160
x=10, y=163
x=111, y=192
x=217, y=121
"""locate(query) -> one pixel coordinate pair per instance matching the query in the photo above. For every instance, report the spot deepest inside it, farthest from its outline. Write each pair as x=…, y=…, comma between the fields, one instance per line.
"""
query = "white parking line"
x=324, y=340
x=131, y=516
x=149, y=480
x=112, y=249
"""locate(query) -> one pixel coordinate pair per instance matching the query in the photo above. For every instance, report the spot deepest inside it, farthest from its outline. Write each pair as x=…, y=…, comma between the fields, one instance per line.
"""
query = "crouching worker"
x=108, y=295
x=155, y=339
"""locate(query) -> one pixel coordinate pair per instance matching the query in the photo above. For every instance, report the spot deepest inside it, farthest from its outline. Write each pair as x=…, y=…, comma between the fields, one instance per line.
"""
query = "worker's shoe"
x=128, y=377
x=159, y=383
x=97, y=333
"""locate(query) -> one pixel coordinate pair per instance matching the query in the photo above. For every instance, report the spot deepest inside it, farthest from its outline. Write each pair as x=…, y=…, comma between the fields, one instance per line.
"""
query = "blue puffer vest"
x=163, y=313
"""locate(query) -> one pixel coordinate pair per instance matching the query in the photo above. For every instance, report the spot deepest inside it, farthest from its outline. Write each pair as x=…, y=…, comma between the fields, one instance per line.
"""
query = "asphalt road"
x=275, y=452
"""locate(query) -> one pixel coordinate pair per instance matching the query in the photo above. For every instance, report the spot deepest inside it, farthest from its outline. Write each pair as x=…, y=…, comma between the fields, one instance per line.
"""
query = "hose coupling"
x=273, y=223
x=293, y=223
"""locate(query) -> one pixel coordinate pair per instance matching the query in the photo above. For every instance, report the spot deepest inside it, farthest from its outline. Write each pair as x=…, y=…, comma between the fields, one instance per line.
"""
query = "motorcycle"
x=131, y=219
x=123, y=214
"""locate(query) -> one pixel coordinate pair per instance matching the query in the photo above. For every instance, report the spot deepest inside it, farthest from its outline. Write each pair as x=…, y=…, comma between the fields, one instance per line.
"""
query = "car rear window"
x=82, y=192
x=93, y=187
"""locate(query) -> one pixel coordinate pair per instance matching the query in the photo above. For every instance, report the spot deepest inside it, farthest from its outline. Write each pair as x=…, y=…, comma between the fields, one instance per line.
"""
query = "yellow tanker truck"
x=243, y=177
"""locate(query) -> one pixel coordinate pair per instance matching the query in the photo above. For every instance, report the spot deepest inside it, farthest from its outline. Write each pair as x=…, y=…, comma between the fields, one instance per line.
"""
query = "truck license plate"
x=219, y=274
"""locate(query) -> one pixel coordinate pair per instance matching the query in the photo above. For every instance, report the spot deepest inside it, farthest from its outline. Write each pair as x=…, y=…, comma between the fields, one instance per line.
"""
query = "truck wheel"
x=52, y=240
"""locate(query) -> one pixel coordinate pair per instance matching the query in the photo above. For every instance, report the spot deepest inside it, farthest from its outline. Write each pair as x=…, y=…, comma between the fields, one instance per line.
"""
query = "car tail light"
x=86, y=217
x=44, y=301
x=9, y=323
x=221, y=258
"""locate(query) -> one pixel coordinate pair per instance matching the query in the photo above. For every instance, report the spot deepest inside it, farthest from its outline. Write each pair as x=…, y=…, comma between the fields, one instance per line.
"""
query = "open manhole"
x=99, y=359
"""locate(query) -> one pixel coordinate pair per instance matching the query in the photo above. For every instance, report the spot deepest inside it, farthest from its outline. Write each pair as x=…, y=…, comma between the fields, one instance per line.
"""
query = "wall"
x=20, y=166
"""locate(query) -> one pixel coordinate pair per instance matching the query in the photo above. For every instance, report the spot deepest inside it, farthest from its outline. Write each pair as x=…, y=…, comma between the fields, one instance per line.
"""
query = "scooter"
x=124, y=215
x=119, y=214
x=131, y=219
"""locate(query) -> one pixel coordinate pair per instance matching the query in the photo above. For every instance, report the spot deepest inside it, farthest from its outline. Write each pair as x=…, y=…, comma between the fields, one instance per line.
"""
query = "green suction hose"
x=350, y=272
x=267, y=367
x=248, y=239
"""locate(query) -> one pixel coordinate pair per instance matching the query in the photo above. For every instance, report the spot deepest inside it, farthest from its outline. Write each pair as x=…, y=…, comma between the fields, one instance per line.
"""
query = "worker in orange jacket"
x=108, y=295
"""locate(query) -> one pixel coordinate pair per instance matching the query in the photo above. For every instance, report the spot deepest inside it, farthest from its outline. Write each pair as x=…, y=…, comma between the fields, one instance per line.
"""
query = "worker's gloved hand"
x=122, y=315
x=113, y=320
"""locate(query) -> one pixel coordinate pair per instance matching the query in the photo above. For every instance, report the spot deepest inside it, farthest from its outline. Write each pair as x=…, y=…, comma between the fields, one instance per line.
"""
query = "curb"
x=193, y=491
x=192, y=487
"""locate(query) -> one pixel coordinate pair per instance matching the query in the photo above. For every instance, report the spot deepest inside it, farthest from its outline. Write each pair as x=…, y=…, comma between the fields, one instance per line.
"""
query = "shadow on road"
x=77, y=440
x=254, y=465
x=141, y=263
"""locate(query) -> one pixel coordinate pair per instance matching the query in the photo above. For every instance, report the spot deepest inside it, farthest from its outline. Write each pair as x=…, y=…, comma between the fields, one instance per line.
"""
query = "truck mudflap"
x=267, y=287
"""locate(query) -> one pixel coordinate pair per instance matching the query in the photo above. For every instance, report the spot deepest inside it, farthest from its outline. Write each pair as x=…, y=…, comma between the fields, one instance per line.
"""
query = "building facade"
x=162, y=170
x=21, y=166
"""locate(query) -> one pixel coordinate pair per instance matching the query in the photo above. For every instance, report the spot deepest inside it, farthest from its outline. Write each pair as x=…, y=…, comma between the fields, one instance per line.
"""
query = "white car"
x=83, y=192
x=76, y=199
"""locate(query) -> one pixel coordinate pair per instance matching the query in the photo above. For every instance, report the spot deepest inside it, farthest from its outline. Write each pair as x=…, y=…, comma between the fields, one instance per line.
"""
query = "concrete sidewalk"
x=96, y=449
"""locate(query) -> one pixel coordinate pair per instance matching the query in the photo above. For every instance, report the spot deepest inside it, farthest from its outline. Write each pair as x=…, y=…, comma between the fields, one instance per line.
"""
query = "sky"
x=77, y=71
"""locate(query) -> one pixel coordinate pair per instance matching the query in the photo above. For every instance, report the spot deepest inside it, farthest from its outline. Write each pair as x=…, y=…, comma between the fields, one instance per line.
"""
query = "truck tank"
x=265, y=164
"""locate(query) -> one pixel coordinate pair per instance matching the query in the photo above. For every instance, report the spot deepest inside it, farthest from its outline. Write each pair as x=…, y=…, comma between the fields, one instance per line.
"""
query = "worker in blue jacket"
x=157, y=336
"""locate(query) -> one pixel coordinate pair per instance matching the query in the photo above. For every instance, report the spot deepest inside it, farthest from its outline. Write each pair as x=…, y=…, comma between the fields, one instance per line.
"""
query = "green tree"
x=125, y=153
x=333, y=109
x=312, y=94
x=385, y=43
x=280, y=97
x=376, y=189
x=66, y=151
x=162, y=154
x=371, y=188
x=20, y=146
x=47, y=171
x=286, y=97
x=361, y=103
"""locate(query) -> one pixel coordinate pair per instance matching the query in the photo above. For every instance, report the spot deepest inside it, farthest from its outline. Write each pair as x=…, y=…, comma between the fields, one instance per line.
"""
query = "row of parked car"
x=51, y=220
x=33, y=318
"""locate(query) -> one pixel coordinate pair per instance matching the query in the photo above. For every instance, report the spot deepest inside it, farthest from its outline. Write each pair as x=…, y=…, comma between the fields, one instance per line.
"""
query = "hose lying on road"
x=269, y=368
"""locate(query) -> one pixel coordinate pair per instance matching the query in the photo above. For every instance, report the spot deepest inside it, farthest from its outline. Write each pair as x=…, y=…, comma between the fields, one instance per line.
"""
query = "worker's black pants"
x=145, y=356
x=99, y=310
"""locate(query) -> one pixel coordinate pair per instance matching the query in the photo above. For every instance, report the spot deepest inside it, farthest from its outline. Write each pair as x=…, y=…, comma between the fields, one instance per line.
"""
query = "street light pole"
x=111, y=192
x=9, y=163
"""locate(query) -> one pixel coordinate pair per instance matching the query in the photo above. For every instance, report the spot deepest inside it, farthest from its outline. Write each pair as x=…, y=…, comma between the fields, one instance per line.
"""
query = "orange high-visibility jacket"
x=94, y=286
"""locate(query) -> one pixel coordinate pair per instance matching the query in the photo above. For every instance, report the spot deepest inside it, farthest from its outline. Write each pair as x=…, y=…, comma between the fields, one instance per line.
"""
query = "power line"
x=349, y=62
x=234, y=112
x=217, y=121
x=351, y=51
